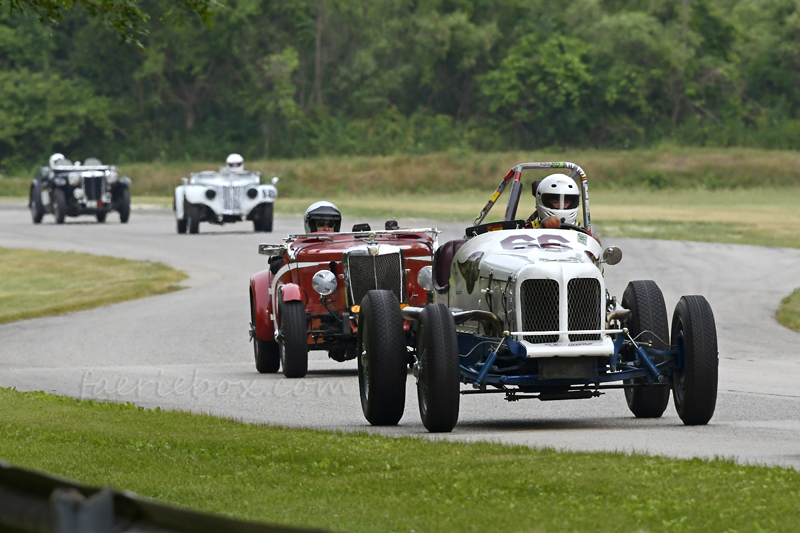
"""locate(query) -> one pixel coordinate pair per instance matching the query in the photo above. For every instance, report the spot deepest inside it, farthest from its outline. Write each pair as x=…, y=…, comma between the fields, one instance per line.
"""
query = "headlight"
x=74, y=178
x=425, y=278
x=252, y=193
x=324, y=282
x=211, y=194
x=113, y=177
x=78, y=193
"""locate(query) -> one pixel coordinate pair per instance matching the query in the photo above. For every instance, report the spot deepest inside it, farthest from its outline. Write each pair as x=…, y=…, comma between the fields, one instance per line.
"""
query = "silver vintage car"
x=224, y=196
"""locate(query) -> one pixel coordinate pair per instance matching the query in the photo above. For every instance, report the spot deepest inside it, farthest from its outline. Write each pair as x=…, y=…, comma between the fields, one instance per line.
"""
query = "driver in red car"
x=557, y=202
x=322, y=217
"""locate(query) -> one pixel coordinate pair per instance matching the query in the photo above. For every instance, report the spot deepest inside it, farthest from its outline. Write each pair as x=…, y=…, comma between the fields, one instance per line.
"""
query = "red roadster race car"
x=309, y=298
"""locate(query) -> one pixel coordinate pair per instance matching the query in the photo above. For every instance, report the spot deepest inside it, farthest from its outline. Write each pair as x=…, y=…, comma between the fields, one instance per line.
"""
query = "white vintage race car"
x=224, y=196
x=525, y=313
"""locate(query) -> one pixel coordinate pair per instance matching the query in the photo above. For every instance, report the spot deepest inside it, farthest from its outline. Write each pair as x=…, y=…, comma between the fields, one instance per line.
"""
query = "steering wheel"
x=575, y=227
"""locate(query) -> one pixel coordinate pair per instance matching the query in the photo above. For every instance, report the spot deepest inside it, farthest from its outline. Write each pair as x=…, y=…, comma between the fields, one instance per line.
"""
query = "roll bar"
x=516, y=173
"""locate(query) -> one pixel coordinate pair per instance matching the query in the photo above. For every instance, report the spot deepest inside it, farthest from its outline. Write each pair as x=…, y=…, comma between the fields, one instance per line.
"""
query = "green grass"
x=358, y=482
x=789, y=312
x=36, y=283
x=671, y=168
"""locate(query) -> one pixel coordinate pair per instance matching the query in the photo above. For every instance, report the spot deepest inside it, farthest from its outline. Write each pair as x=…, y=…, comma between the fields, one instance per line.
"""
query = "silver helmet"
x=56, y=157
x=235, y=163
x=322, y=211
x=558, y=195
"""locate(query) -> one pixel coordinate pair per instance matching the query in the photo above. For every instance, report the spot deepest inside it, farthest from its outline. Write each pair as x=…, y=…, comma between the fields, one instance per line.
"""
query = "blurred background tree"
x=293, y=78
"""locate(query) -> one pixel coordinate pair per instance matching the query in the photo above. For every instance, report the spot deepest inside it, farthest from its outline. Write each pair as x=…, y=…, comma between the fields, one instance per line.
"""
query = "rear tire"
x=268, y=356
x=649, y=314
x=695, y=388
x=294, y=339
x=382, y=367
x=37, y=209
x=59, y=205
x=438, y=387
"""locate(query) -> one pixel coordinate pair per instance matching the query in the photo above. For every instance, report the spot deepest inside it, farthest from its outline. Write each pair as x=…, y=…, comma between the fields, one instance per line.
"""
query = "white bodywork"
x=488, y=271
x=230, y=192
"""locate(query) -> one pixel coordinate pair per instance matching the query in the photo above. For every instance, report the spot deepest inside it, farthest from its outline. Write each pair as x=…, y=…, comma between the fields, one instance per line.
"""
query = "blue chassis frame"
x=475, y=367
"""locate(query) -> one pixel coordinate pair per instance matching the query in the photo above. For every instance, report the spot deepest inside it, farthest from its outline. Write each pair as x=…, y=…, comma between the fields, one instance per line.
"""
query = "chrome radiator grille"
x=93, y=188
x=583, y=304
x=539, y=301
x=368, y=272
x=232, y=198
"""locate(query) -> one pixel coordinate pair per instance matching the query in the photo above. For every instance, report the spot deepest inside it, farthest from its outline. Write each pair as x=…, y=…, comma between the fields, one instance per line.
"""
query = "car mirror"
x=611, y=255
x=391, y=225
x=275, y=180
x=361, y=227
x=270, y=250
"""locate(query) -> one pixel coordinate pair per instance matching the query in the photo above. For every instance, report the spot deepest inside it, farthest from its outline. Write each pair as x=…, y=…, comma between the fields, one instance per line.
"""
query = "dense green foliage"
x=124, y=17
x=291, y=78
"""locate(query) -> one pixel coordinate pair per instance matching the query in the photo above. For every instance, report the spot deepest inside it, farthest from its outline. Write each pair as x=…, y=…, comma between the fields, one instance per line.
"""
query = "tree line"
x=295, y=78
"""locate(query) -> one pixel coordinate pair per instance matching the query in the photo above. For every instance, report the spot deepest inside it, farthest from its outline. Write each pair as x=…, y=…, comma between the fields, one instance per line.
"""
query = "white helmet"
x=558, y=195
x=322, y=211
x=56, y=157
x=235, y=163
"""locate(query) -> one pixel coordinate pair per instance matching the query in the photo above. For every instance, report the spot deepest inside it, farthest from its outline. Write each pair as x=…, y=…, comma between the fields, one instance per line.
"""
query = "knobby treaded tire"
x=37, y=209
x=644, y=298
x=294, y=339
x=695, y=389
x=382, y=352
x=59, y=205
x=438, y=385
x=125, y=209
x=268, y=356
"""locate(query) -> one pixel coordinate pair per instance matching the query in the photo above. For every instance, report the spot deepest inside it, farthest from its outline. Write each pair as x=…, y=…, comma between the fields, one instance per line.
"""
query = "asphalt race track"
x=189, y=350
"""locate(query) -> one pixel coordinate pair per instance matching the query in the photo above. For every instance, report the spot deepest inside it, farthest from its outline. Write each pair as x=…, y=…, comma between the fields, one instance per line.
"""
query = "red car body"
x=289, y=316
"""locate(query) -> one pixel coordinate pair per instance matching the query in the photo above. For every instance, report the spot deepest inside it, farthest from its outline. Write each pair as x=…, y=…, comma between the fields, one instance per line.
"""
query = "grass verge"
x=667, y=167
x=789, y=312
x=359, y=482
x=42, y=283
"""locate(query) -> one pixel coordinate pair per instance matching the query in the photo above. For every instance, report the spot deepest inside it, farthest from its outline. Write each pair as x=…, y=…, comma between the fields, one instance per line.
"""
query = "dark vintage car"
x=72, y=189
x=309, y=299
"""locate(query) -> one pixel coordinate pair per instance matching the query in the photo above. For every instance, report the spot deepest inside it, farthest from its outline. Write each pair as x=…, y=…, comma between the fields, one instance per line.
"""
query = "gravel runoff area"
x=189, y=350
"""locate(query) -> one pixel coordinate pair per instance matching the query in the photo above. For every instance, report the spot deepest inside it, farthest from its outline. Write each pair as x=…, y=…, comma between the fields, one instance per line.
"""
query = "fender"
x=291, y=292
x=261, y=302
x=178, y=203
x=195, y=194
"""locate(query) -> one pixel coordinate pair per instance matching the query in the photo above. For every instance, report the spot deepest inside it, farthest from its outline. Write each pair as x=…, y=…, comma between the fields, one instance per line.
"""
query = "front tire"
x=438, y=386
x=59, y=205
x=191, y=214
x=268, y=356
x=125, y=206
x=382, y=367
x=294, y=339
x=37, y=209
x=263, y=222
x=648, y=321
x=694, y=389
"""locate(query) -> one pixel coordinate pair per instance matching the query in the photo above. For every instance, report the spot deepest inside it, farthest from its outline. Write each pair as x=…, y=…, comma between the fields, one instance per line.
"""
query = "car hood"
x=513, y=250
